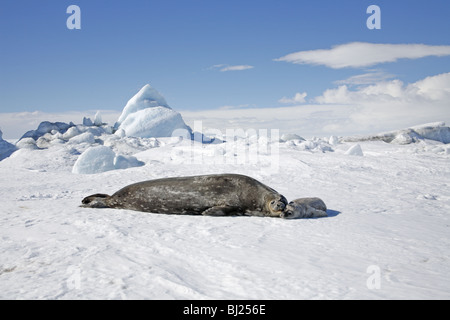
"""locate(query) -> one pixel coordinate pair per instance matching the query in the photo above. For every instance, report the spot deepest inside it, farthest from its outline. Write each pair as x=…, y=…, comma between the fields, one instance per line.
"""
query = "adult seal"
x=212, y=195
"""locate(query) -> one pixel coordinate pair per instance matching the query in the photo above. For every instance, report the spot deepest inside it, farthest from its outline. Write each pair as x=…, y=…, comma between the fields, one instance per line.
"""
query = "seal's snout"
x=277, y=205
x=288, y=212
x=95, y=201
x=280, y=206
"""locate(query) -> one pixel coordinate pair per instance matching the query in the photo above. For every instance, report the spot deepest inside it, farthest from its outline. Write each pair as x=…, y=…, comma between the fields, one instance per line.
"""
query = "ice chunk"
x=47, y=127
x=95, y=160
x=86, y=137
x=100, y=159
x=71, y=132
x=98, y=119
x=120, y=133
x=355, y=150
x=87, y=122
x=26, y=143
x=433, y=131
x=333, y=140
x=291, y=136
x=147, y=115
x=147, y=97
x=153, y=122
x=403, y=138
x=6, y=148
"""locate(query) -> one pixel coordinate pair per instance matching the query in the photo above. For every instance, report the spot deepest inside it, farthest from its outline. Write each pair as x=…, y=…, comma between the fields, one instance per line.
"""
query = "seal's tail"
x=97, y=200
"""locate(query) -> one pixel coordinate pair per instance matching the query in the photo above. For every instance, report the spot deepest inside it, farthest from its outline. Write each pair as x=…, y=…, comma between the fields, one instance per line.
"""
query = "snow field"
x=385, y=237
x=388, y=208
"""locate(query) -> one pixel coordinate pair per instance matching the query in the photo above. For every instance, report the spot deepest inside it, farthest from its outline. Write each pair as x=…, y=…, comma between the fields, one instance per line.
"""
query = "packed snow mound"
x=147, y=114
x=6, y=148
x=437, y=131
x=100, y=159
x=154, y=122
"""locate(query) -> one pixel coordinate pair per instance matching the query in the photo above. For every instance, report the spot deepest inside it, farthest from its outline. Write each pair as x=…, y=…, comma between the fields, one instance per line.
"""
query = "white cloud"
x=433, y=88
x=229, y=107
x=390, y=105
x=370, y=109
x=225, y=67
x=371, y=77
x=298, y=98
x=363, y=54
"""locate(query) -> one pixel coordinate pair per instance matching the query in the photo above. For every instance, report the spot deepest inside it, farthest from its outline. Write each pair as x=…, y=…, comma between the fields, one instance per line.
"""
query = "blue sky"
x=181, y=46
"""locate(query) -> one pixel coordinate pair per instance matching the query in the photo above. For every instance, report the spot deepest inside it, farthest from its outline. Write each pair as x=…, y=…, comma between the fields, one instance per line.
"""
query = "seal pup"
x=305, y=208
x=213, y=195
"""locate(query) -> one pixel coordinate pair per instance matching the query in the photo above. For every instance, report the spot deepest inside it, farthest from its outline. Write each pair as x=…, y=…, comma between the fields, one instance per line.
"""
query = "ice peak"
x=151, y=95
x=147, y=114
x=147, y=97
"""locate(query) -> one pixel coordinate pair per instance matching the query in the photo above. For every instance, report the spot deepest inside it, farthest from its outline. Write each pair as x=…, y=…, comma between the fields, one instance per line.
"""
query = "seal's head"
x=292, y=211
x=95, y=201
x=276, y=206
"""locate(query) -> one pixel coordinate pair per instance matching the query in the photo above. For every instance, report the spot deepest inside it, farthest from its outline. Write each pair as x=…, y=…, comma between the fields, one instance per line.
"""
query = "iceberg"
x=147, y=115
x=147, y=97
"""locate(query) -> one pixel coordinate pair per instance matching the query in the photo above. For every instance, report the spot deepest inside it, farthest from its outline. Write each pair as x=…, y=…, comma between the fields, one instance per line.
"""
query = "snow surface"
x=385, y=237
x=388, y=213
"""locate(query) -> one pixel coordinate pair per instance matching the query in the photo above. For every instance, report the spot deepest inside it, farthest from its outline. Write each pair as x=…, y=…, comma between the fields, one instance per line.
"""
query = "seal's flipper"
x=97, y=200
x=221, y=211
x=316, y=213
